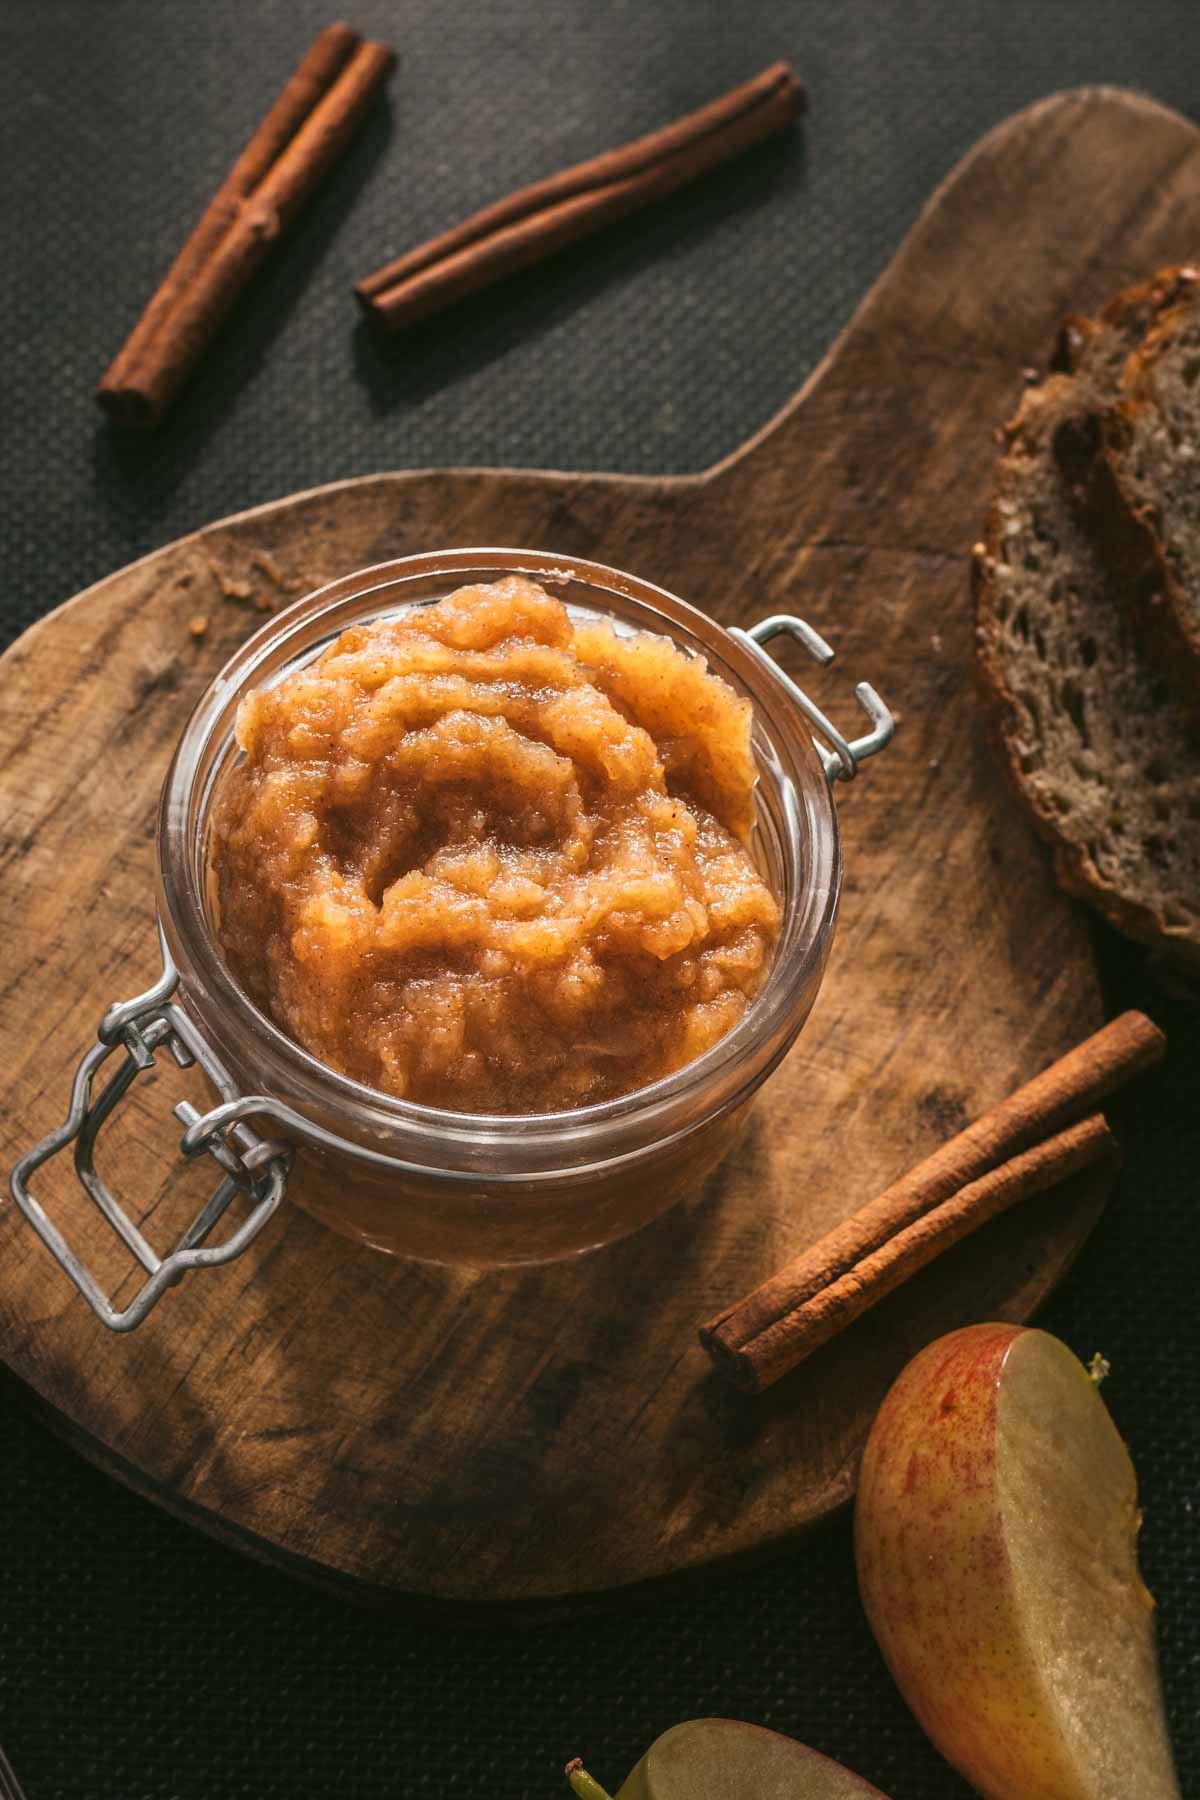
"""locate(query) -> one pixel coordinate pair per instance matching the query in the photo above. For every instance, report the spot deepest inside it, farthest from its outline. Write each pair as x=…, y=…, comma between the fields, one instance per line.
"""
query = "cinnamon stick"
x=785, y=1344
x=537, y=220
x=759, y=1324
x=314, y=116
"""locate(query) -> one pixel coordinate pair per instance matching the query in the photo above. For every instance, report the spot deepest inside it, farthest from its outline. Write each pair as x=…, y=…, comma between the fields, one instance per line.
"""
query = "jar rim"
x=730, y=1064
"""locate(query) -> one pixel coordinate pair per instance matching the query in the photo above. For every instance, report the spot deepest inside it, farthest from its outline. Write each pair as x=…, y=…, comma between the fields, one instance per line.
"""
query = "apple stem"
x=582, y=1783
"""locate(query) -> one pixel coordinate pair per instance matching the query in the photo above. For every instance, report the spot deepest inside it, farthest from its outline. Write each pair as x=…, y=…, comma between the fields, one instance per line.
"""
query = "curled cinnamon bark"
x=983, y=1169
x=318, y=110
x=535, y=221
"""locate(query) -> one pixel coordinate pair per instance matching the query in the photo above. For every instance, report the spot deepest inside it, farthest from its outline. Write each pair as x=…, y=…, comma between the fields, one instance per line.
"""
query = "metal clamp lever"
x=252, y=1164
x=839, y=758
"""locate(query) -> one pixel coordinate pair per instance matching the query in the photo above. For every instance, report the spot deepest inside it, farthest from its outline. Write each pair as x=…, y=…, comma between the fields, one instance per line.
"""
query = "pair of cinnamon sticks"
x=310, y=123
x=1046, y=1132
x=565, y=208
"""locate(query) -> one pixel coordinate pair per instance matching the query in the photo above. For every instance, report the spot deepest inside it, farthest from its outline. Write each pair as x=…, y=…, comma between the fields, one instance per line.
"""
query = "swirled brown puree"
x=489, y=859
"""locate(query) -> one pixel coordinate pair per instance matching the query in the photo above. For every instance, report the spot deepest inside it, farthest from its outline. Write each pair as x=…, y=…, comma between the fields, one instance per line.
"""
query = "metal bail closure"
x=251, y=1164
x=839, y=758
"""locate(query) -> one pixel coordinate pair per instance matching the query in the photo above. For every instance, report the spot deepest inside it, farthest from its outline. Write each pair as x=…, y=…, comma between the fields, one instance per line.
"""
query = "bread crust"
x=1108, y=356
x=1128, y=315
x=1171, y=625
x=1041, y=411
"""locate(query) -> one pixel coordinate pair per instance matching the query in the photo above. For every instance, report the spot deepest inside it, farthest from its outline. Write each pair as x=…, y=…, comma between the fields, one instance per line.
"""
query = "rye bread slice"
x=1152, y=453
x=1104, y=756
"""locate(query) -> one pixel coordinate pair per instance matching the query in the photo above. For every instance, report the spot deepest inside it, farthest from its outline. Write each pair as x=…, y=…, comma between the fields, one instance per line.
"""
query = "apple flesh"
x=995, y=1534
x=723, y=1759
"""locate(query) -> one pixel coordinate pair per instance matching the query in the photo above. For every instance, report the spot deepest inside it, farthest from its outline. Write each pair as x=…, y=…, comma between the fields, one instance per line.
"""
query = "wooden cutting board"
x=528, y=1438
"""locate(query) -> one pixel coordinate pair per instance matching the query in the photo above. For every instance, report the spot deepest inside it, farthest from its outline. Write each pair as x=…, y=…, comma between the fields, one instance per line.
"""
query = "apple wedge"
x=995, y=1535
x=723, y=1759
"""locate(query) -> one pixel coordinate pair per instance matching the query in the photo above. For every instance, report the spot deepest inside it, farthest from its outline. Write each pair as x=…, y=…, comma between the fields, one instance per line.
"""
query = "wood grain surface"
x=531, y=1437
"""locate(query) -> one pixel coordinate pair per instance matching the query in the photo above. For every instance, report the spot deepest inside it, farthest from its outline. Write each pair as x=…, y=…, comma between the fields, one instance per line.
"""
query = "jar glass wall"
x=488, y=1189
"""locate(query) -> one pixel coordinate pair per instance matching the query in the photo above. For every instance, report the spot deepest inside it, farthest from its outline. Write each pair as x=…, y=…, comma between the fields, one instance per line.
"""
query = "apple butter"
x=493, y=857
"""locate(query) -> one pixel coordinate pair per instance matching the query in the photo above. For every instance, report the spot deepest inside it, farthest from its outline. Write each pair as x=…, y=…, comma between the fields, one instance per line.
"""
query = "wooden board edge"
x=1090, y=93
x=388, y=478
x=507, y=1610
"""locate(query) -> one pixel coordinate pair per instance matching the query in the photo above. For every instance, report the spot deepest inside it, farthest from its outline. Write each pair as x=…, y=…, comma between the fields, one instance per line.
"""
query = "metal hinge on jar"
x=839, y=757
x=136, y=1030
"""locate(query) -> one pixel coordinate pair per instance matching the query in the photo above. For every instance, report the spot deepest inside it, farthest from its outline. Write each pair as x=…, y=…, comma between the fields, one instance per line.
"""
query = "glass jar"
x=479, y=1190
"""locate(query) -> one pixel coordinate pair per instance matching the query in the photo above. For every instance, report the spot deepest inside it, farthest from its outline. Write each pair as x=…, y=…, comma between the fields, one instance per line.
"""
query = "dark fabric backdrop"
x=138, y=1659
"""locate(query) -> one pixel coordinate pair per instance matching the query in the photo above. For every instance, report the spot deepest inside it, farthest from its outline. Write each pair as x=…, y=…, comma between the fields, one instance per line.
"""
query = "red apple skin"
x=996, y=1541
x=927, y=1534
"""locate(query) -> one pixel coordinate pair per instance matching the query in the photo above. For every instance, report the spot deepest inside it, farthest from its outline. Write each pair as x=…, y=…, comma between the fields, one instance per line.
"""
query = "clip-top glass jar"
x=480, y=1190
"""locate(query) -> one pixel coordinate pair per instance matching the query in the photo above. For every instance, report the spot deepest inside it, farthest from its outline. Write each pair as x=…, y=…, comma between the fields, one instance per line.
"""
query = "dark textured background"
x=137, y=1659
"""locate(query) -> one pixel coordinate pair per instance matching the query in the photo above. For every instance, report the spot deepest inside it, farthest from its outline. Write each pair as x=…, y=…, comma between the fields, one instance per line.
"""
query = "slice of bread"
x=1152, y=451
x=1105, y=757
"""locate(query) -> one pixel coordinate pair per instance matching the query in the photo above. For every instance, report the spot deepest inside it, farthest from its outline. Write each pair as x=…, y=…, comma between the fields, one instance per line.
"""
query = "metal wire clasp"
x=839, y=758
x=251, y=1164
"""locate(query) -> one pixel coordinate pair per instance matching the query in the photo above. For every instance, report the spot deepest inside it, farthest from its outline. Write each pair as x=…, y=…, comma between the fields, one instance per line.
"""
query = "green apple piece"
x=996, y=1533
x=723, y=1759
